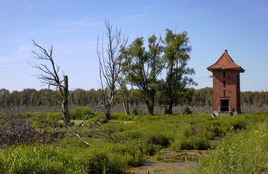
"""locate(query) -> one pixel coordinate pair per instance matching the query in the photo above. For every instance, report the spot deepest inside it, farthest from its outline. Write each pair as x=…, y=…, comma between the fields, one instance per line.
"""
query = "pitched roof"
x=225, y=62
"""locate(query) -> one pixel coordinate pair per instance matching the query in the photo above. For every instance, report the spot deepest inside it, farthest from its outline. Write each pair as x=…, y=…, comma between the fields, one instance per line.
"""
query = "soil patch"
x=171, y=162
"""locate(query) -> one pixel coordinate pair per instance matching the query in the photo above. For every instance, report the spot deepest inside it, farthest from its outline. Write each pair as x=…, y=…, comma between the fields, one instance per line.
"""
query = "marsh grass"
x=128, y=140
x=244, y=152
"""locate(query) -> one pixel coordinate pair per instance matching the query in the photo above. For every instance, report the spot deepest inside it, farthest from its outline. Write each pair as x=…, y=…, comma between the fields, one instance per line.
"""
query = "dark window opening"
x=223, y=74
x=224, y=93
x=224, y=83
x=224, y=105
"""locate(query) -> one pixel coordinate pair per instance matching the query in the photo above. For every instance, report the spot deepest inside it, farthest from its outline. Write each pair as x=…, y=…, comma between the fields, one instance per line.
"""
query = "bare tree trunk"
x=107, y=114
x=151, y=110
x=150, y=107
x=64, y=105
x=170, y=105
x=125, y=105
x=170, y=102
x=106, y=117
x=52, y=78
x=110, y=67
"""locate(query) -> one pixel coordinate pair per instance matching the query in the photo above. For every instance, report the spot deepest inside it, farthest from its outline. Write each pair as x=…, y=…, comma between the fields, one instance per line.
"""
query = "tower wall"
x=226, y=86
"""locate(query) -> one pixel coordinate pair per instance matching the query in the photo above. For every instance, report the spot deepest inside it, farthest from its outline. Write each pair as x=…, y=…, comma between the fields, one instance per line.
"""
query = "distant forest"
x=80, y=97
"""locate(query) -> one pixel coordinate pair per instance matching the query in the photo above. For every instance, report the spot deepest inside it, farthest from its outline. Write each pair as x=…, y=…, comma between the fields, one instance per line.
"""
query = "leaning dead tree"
x=50, y=76
x=110, y=66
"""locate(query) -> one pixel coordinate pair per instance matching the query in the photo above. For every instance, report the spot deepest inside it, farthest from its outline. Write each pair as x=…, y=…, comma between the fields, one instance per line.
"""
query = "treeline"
x=80, y=97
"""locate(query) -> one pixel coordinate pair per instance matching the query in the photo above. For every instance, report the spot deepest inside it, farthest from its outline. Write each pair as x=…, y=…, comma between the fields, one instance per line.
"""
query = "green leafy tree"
x=143, y=68
x=176, y=55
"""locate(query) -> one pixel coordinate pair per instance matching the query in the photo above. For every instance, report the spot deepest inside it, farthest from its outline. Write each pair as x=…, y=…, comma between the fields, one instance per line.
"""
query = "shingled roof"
x=225, y=62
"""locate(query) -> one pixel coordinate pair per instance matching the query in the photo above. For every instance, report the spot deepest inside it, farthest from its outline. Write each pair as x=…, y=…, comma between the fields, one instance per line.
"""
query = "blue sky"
x=72, y=27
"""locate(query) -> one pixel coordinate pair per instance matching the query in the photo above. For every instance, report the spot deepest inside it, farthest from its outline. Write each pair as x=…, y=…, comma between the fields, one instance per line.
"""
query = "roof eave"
x=240, y=69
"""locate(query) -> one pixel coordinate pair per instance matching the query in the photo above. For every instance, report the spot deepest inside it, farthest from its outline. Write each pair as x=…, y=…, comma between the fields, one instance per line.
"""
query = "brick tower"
x=226, y=86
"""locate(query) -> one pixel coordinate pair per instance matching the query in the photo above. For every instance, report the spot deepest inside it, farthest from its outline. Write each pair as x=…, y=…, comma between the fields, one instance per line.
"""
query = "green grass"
x=128, y=140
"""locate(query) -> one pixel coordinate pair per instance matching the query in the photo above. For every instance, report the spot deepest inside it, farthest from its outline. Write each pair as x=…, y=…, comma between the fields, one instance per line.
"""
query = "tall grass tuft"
x=26, y=159
x=242, y=153
x=48, y=159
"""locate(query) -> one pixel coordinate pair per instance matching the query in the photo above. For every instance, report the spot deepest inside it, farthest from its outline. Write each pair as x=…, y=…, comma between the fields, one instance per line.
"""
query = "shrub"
x=121, y=116
x=239, y=125
x=194, y=142
x=98, y=163
x=94, y=119
x=149, y=149
x=133, y=134
x=188, y=132
x=103, y=160
x=134, y=161
x=49, y=119
x=201, y=143
x=131, y=153
x=79, y=112
x=158, y=139
x=190, y=143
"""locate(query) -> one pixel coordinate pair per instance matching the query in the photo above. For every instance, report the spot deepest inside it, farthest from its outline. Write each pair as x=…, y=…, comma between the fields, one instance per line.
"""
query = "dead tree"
x=50, y=76
x=110, y=66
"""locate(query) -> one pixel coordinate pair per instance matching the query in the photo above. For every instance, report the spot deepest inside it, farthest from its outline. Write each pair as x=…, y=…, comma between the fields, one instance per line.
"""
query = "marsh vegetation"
x=196, y=143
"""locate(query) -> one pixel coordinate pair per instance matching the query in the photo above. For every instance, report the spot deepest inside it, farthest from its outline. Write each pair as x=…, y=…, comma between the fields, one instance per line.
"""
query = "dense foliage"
x=168, y=57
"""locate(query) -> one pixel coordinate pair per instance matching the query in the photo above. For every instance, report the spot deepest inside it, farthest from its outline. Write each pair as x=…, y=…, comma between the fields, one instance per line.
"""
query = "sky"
x=73, y=26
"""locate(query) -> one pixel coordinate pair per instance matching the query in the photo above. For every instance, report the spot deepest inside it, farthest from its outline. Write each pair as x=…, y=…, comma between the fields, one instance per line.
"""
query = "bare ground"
x=171, y=162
